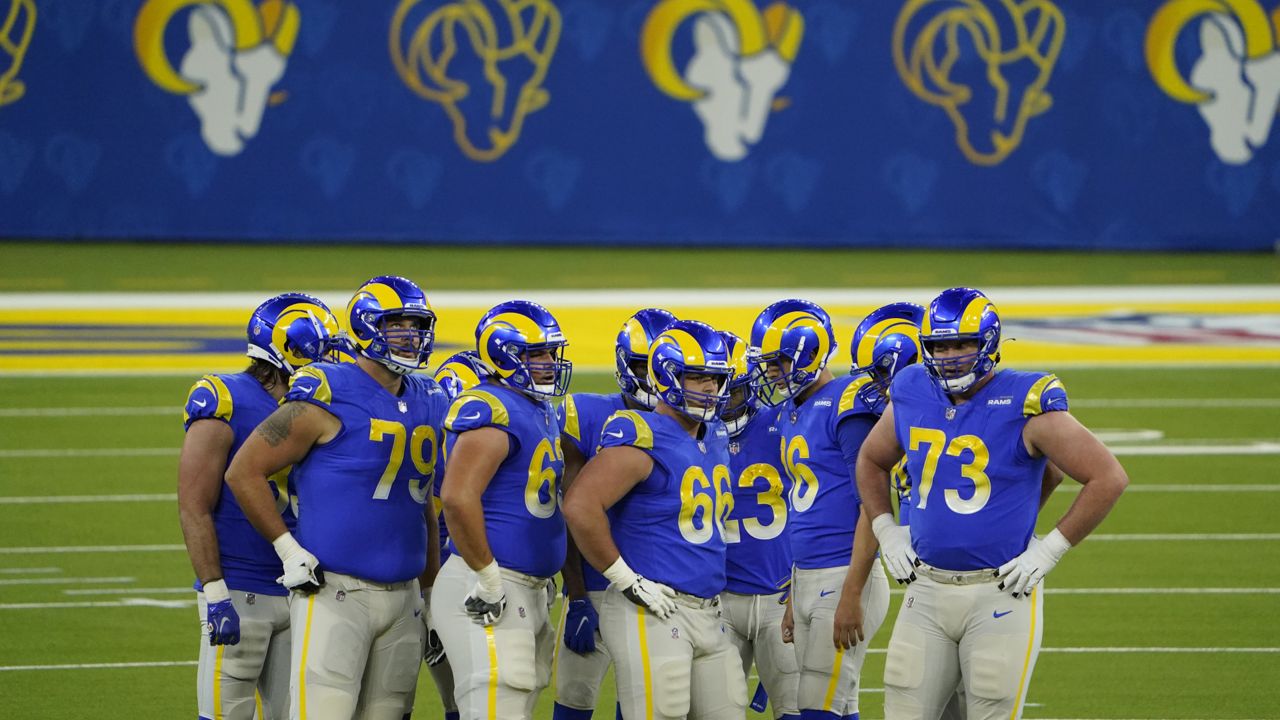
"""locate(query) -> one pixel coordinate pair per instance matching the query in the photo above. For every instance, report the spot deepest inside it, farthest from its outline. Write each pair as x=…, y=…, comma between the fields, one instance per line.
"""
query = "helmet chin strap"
x=645, y=398
x=960, y=384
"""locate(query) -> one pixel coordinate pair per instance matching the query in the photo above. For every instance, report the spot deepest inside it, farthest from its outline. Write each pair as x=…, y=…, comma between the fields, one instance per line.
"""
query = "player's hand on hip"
x=580, y=625
x=895, y=548
x=1021, y=574
x=302, y=571
x=486, y=601
x=655, y=597
x=848, y=621
x=220, y=616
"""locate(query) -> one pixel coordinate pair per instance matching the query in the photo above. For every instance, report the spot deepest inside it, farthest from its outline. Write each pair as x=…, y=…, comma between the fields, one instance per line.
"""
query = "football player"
x=581, y=670
x=244, y=613
x=461, y=371
x=822, y=424
x=665, y=477
x=758, y=563
x=364, y=441
x=977, y=440
x=501, y=501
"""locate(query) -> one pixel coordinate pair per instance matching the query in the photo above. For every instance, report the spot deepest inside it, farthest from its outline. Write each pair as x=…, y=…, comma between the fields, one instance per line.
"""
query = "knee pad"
x=337, y=654
x=904, y=665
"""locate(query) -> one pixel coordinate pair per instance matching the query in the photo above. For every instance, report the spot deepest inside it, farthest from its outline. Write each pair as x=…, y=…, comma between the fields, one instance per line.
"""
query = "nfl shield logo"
x=951, y=413
x=734, y=448
x=702, y=446
x=404, y=408
x=794, y=416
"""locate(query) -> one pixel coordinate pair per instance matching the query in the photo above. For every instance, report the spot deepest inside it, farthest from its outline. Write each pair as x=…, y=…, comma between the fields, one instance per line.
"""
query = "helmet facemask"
x=740, y=406
x=959, y=373
x=407, y=347
x=633, y=378
x=544, y=367
x=696, y=404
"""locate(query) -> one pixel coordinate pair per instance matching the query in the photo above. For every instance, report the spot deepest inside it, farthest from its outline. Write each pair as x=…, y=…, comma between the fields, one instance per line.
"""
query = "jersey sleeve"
x=1046, y=395
x=570, y=426
x=626, y=428
x=310, y=384
x=208, y=399
x=474, y=409
x=850, y=402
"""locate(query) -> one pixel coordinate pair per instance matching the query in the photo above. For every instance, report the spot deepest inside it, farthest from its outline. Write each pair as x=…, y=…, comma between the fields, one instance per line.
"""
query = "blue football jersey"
x=249, y=563
x=900, y=481
x=582, y=417
x=977, y=490
x=823, y=500
x=670, y=526
x=758, y=544
x=361, y=496
x=522, y=518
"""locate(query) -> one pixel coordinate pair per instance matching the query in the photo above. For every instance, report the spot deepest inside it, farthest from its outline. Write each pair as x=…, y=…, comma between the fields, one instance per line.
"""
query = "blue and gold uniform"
x=582, y=418
x=977, y=489
x=670, y=527
x=759, y=549
x=382, y=462
x=521, y=503
x=248, y=561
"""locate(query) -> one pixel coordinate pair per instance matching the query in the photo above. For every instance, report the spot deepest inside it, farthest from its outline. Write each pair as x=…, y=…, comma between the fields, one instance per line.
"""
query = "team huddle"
x=349, y=516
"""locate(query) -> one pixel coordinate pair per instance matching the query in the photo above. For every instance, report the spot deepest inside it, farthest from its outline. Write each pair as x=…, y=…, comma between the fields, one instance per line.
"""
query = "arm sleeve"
x=850, y=432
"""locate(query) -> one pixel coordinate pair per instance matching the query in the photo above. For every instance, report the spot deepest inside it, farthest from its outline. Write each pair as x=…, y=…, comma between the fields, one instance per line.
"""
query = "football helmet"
x=689, y=346
x=461, y=371
x=509, y=334
x=887, y=340
x=631, y=351
x=742, y=403
x=962, y=314
x=384, y=298
x=794, y=330
x=292, y=330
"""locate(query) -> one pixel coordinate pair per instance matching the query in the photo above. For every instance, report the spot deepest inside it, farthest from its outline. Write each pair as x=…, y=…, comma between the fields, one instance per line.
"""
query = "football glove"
x=895, y=548
x=580, y=625
x=433, y=652
x=486, y=601
x=1021, y=574
x=302, y=571
x=760, y=701
x=221, y=617
x=653, y=596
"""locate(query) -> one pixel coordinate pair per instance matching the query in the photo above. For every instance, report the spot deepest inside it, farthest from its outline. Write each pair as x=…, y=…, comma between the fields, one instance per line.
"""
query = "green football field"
x=1168, y=611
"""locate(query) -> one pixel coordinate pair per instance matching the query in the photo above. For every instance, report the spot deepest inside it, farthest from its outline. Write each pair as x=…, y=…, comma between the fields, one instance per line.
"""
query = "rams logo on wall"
x=237, y=54
x=741, y=59
x=989, y=101
x=485, y=69
x=1235, y=80
x=15, y=38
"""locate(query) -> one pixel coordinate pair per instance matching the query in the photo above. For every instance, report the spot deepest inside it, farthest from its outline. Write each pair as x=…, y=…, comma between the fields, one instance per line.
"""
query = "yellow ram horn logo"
x=237, y=54
x=742, y=59
x=456, y=56
x=15, y=38
x=1234, y=82
x=927, y=53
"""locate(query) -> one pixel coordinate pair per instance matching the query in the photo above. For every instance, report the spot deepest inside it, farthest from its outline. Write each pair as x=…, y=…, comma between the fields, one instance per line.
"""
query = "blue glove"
x=221, y=617
x=580, y=627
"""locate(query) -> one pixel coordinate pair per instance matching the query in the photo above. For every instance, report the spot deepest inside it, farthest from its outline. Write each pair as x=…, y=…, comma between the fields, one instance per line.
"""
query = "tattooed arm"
x=283, y=439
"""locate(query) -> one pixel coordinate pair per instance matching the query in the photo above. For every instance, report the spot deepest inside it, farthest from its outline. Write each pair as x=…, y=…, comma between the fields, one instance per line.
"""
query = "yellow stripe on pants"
x=302, y=670
x=217, y=684
x=1031, y=643
x=835, y=681
x=644, y=665
x=493, y=672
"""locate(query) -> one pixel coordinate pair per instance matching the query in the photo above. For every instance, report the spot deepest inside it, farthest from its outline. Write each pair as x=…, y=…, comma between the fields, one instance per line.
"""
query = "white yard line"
x=126, y=602
x=87, y=411
x=65, y=580
x=30, y=571
x=1255, y=448
x=37, y=550
x=100, y=666
x=1196, y=403
x=64, y=499
x=1186, y=487
x=129, y=591
x=1184, y=537
x=90, y=452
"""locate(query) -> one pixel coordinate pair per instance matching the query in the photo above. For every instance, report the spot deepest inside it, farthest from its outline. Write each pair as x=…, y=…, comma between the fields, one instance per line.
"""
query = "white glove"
x=486, y=601
x=1021, y=574
x=653, y=596
x=895, y=547
x=301, y=569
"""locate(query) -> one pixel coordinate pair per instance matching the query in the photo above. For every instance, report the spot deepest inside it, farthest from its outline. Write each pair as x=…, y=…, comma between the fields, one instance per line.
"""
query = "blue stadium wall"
x=1083, y=124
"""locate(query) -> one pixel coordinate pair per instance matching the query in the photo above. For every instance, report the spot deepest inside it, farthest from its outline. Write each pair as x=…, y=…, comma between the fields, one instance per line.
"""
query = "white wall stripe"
x=65, y=499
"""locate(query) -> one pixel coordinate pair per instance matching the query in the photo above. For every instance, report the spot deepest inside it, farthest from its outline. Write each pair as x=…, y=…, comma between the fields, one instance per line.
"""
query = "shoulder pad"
x=567, y=414
x=209, y=398
x=310, y=384
x=1046, y=395
x=849, y=398
x=627, y=427
x=474, y=409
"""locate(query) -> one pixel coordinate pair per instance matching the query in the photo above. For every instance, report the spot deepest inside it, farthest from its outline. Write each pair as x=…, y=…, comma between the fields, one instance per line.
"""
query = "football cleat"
x=961, y=315
x=791, y=342
x=292, y=330
x=742, y=403
x=690, y=347
x=461, y=371
x=631, y=353
x=387, y=298
x=886, y=341
x=520, y=342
